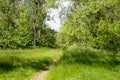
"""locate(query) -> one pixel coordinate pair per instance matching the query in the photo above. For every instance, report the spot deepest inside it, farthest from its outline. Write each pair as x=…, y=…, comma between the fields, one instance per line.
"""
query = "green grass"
x=86, y=64
x=21, y=64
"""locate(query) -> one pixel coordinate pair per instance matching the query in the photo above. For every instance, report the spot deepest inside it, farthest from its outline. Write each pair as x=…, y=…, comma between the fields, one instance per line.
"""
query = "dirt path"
x=41, y=75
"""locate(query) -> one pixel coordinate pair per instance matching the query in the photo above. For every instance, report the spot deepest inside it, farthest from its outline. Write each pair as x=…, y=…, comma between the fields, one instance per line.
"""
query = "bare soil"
x=41, y=75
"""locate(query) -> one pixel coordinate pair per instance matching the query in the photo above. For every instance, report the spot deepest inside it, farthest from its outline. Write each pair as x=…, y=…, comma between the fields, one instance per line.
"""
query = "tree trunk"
x=35, y=21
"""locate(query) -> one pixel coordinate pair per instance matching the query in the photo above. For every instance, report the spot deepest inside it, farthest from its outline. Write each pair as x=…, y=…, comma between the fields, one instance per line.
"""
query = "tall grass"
x=21, y=64
x=86, y=64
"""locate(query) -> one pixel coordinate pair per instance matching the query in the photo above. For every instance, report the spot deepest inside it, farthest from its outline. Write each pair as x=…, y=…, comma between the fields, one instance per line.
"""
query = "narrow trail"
x=42, y=75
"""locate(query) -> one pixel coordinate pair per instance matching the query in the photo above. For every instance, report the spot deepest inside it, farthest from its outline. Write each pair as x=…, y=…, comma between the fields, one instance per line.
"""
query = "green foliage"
x=14, y=26
x=17, y=22
x=96, y=24
x=108, y=36
x=47, y=38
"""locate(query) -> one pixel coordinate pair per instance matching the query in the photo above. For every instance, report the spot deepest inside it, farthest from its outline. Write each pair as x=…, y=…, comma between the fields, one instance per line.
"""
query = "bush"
x=95, y=24
x=89, y=56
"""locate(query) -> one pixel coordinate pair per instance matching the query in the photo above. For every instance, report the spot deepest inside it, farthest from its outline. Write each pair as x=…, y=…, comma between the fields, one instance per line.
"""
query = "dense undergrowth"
x=21, y=64
x=79, y=63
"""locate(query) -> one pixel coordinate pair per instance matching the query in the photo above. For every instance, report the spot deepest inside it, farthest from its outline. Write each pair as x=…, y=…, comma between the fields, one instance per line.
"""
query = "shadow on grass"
x=89, y=56
x=38, y=64
x=6, y=66
x=12, y=63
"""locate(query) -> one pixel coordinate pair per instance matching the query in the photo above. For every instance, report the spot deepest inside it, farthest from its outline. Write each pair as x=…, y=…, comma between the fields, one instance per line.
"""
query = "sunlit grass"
x=86, y=64
x=82, y=72
x=21, y=64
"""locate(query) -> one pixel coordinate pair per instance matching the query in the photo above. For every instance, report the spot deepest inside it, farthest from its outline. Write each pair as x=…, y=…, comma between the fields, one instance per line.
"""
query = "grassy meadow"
x=74, y=63
x=21, y=64
x=86, y=64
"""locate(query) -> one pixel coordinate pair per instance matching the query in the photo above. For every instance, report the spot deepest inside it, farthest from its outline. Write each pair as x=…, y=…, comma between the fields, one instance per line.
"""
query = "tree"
x=21, y=23
x=7, y=24
x=96, y=23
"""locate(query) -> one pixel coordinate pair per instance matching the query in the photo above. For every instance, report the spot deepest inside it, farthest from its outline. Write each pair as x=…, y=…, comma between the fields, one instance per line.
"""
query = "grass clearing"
x=21, y=64
x=86, y=64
